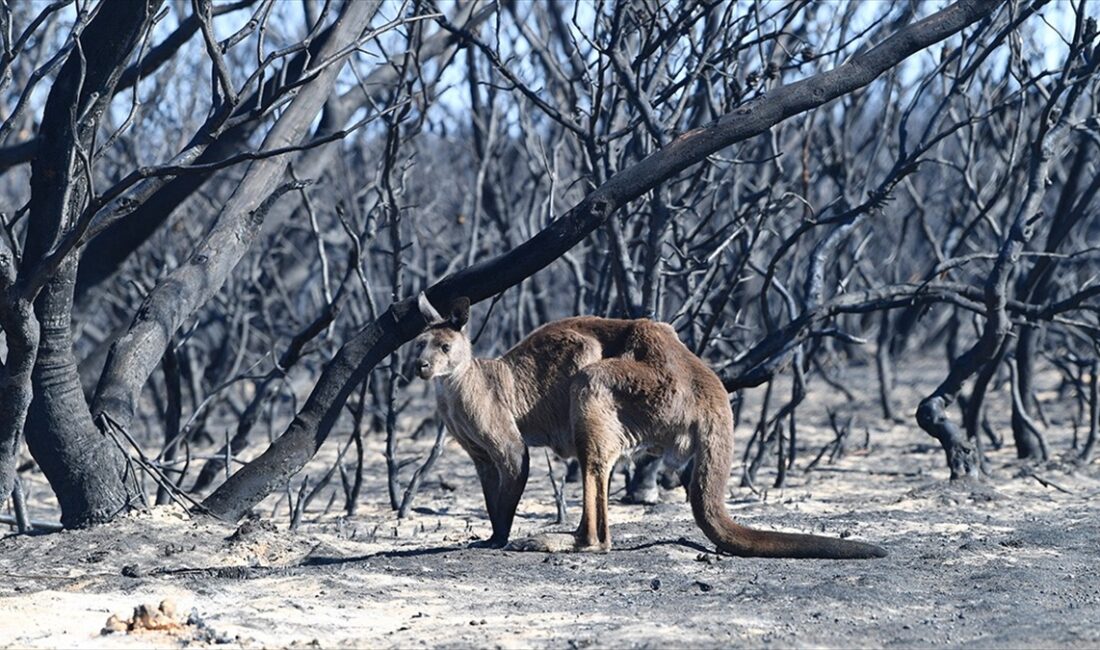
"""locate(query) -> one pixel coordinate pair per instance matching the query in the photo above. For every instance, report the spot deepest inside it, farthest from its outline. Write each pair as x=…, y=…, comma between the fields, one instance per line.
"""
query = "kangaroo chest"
x=466, y=422
x=474, y=410
x=478, y=413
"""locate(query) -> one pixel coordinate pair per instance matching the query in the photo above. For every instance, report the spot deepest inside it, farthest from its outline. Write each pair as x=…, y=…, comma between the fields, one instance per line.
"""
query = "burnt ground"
x=1010, y=562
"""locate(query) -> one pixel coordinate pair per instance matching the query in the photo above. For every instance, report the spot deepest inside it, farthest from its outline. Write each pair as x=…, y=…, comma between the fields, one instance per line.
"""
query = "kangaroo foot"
x=598, y=547
x=492, y=542
x=555, y=543
x=545, y=543
x=645, y=496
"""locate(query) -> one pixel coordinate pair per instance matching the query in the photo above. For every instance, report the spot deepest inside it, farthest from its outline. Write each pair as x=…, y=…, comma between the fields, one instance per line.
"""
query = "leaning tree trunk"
x=136, y=354
x=107, y=252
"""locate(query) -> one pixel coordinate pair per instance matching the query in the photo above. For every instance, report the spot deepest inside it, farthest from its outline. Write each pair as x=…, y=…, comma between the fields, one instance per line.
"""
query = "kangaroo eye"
x=446, y=348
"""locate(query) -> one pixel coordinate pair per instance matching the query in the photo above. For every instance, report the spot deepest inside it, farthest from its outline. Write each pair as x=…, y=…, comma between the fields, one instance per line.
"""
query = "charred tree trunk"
x=1094, y=412
x=21, y=336
x=884, y=366
x=1068, y=213
x=172, y=414
x=85, y=468
x=1027, y=442
x=1052, y=131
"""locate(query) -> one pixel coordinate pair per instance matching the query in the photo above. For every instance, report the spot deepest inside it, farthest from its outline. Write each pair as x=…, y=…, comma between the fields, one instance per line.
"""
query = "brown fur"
x=592, y=388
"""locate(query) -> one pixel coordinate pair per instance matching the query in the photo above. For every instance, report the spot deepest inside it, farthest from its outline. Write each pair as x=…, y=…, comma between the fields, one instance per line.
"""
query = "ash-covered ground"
x=1009, y=562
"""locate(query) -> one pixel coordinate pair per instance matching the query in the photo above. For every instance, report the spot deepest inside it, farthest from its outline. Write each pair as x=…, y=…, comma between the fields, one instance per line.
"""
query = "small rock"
x=145, y=617
x=151, y=618
x=250, y=528
x=133, y=571
x=114, y=624
x=655, y=584
x=172, y=549
x=703, y=586
x=168, y=607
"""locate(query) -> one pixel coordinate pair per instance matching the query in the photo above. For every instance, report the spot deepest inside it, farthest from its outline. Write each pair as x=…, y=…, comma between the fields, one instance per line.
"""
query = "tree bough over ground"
x=191, y=261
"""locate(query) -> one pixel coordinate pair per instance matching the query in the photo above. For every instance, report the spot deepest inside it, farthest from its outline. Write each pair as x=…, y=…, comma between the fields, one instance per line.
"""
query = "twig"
x=175, y=493
x=34, y=523
x=1047, y=482
x=19, y=504
x=418, y=475
x=559, y=490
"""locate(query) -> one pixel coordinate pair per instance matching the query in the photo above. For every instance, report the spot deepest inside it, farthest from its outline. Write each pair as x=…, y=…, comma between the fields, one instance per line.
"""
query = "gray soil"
x=1009, y=562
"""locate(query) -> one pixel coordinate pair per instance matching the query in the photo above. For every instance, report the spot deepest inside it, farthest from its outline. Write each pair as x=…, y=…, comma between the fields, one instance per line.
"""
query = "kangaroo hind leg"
x=597, y=456
x=598, y=438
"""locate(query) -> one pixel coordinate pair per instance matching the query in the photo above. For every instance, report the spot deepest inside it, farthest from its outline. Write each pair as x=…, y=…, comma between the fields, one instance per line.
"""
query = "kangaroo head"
x=444, y=348
x=441, y=351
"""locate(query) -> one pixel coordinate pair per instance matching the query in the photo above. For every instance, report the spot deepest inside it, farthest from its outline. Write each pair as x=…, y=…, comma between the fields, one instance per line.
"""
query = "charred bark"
x=135, y=355
x=107, y=252
x=85, y=468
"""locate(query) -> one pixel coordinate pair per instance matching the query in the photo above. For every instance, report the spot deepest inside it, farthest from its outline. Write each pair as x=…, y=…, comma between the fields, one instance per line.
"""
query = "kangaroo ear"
x=460, y=313
x=428, y=311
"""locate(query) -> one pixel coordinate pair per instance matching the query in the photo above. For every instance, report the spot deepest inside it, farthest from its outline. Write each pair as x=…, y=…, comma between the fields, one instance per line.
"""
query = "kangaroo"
x=592, y=388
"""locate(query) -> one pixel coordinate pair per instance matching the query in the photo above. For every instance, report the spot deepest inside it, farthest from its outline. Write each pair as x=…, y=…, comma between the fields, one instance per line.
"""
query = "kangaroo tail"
x=713, y=459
